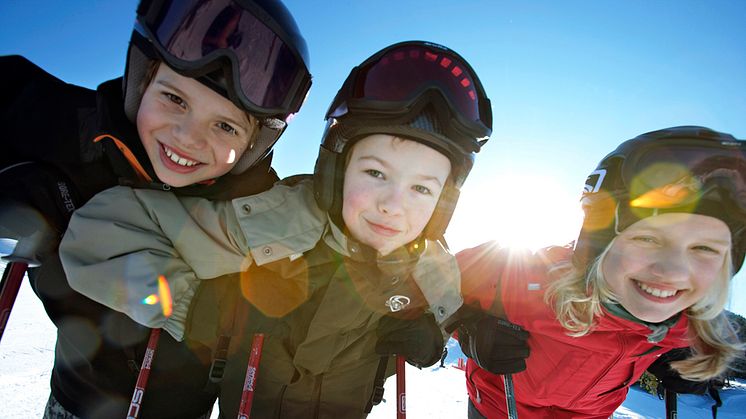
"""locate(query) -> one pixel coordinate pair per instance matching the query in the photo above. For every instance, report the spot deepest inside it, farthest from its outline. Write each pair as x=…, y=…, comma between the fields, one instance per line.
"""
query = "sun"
x=533, y=213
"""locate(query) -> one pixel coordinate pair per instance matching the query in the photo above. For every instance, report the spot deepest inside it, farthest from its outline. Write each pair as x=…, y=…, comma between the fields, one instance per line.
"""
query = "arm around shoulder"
x=114, y=252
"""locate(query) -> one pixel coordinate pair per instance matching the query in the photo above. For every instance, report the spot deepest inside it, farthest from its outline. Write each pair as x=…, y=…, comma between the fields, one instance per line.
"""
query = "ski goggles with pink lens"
x=263, y=72
x=679, y=172
x=408, y=75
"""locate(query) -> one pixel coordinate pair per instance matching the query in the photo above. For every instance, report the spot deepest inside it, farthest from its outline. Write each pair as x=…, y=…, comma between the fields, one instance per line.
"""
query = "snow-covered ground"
x=27, y=351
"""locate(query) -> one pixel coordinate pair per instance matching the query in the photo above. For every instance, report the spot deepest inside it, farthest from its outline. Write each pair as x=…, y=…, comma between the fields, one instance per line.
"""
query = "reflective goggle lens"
x=403, y=73
x=267, y=67
x=674, y=176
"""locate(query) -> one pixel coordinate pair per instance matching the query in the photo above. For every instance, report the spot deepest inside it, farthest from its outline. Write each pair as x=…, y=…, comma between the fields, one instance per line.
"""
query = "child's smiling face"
x=190, y=132
x=391, y=188
x=664, y=264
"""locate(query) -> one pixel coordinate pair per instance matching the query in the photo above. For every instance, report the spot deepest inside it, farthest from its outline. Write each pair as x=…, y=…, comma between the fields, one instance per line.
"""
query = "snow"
x=27, y=351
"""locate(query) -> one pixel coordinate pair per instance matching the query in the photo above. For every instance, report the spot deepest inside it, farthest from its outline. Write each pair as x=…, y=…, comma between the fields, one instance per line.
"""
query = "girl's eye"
x=227, y=128
x=374, y=173
x=175, y=99
x=707, y=249
x=645, y=239
x=422, y=189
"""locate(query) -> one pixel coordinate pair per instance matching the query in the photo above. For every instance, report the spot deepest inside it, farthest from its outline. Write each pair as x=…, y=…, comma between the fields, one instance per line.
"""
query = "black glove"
x=670, y=379
x=36, y=201
x=42, y=187
x=494, y=344
x=419, y=340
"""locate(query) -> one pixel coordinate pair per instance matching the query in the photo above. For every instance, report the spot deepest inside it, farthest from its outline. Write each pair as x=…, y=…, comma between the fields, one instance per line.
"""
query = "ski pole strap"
x=217, y=368
x=401, y=391
x=378, y=382
x=11, y=283
x=716, y=397
x=247, y=396
x=142, y=377
x=510, y=396
x=671, y=404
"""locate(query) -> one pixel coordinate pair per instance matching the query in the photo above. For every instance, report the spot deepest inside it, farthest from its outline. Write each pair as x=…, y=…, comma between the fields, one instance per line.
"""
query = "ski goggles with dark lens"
x=395, y=80
x=195, y=37
x=674, y=173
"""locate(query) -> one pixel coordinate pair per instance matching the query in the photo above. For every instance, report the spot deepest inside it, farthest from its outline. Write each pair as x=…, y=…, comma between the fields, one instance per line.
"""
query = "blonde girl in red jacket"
x=662, y=237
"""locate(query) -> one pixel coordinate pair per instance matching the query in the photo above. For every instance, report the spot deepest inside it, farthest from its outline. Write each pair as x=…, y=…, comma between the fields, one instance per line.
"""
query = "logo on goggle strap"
x=397, y=302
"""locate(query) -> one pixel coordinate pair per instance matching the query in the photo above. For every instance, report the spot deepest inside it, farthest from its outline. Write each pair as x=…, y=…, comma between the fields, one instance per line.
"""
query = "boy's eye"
x=227, y=128
x=175, y=99
x=374, y=173
x=422, y=189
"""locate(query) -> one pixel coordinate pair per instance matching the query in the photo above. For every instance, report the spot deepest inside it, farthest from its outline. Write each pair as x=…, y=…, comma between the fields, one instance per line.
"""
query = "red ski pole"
x=401, y=391
x=32, y=234
x=142, y=377
x=247, y=397
x=11, y=283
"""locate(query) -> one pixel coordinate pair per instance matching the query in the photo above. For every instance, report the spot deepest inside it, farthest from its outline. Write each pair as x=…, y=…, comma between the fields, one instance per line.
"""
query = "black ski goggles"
x=196, y=37
x=679, y=173
x=396, y=79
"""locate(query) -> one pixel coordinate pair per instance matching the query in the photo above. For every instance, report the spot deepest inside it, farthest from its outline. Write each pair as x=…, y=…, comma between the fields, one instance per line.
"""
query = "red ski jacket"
x=565, y=377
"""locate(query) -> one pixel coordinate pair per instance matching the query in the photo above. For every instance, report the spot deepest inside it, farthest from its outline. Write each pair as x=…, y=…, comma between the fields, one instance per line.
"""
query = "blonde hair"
x=577, y=297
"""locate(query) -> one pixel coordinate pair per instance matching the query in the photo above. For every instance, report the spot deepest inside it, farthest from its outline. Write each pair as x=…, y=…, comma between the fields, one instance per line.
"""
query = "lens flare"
x=231, y=157
x=164, y=292
x=664, y=185
x=150, y=299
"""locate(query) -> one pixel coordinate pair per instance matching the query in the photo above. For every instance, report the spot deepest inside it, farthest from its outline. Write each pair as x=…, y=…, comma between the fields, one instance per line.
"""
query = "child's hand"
x=419, y=340
x=494, y=344
x=670, y=379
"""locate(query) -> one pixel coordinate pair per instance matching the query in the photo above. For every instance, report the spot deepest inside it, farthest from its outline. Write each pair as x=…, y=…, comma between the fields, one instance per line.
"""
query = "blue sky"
x=568, y=80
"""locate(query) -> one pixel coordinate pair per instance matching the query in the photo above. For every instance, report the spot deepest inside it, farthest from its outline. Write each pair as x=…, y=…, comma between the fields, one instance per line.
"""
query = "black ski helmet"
x=687, y=169
x=249, y=51
x=416, y=90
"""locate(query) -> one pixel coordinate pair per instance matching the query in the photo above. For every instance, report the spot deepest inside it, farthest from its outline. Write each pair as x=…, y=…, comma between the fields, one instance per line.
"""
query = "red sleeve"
x=481, y=268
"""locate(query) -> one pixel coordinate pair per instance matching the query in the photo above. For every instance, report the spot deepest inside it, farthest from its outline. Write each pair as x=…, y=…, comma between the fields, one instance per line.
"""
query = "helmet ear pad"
x=436, y=227
x=328, y=176
x=137, y=68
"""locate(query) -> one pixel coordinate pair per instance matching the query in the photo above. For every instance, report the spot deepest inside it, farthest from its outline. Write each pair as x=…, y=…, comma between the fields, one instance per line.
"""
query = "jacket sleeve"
x=119, y=244
x=40, y=115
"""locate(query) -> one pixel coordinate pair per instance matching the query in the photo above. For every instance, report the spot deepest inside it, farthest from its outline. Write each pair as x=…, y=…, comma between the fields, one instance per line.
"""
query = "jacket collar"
x=655, y=332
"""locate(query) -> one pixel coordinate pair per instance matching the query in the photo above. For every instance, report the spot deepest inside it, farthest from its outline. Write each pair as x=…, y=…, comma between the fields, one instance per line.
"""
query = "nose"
x=189, y=133
x=392, y=201
x=671, y=264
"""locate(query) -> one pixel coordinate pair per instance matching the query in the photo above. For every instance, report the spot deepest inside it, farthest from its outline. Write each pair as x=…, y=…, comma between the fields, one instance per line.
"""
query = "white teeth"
x=655, y=292
x=178, y=159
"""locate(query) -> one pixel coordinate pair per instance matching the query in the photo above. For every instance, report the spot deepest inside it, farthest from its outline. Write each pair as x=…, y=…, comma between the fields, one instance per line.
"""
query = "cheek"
x=353, y=203
x=613, y=268
x=147, y=120
x=421, y=215
x=707, y=275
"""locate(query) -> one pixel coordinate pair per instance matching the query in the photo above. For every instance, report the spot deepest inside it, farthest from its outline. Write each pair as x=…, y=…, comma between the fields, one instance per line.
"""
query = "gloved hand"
x=42, y=187
x=494, y=344
x=670, y=379
x=36, y=201
x=419, y=340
